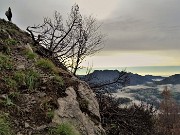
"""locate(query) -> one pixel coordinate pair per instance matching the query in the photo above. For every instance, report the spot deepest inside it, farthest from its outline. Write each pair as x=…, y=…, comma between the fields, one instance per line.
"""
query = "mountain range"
x=104, y=76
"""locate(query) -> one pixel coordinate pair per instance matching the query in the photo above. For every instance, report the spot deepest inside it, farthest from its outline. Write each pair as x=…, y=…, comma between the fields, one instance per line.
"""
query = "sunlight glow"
x=132, y=59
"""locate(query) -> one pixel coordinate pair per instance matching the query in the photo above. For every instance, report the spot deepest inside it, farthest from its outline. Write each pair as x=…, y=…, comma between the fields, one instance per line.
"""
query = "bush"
x=64, y=129
x=133, y=120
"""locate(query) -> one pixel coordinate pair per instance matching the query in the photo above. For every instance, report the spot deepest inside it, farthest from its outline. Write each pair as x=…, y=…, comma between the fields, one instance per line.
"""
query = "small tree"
x=88, y=42
x=70, y=41
x=169, y=116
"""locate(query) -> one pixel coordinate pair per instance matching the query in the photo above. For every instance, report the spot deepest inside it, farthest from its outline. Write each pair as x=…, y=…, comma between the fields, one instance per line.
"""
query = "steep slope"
x=36, y=97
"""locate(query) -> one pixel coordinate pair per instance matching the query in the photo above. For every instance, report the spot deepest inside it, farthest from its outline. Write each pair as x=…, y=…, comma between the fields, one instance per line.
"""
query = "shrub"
x=4, y=126
x=132, y=120
x=64, y=129
x=5, y=62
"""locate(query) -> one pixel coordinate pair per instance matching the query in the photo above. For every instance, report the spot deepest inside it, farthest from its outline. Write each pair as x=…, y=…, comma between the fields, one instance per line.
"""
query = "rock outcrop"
x=80, y=107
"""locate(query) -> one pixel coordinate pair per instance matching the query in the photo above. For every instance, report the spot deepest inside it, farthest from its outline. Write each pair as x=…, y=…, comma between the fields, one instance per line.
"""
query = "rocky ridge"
x=35, y=95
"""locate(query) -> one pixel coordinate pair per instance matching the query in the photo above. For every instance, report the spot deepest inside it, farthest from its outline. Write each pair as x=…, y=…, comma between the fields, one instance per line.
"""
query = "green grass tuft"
x=31, y=79
x=64, y=129
x=10, y=42
x=58, y=80
x=29, y=54
x=47, y=65
x=19, y=76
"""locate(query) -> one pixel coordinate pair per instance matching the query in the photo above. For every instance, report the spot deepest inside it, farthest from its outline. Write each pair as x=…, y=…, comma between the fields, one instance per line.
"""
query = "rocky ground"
x=35, y=95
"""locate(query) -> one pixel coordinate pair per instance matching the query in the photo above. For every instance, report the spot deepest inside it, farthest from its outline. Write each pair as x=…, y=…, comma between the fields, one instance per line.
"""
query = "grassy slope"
x=29, y=84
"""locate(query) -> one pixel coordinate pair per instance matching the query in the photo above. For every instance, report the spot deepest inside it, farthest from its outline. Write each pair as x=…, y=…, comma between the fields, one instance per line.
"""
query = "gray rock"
x=20, y=67
x=26, y=125
x=41, y=94
x=29, y=47
x=69, y=110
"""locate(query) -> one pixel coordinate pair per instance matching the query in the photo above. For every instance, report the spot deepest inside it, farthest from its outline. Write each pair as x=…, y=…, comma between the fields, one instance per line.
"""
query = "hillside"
x=37, y=97
x=174, y=79
x=105, y=76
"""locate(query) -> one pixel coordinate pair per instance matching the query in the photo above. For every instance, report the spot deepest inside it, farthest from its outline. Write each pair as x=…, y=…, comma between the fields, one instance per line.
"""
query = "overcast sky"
x=139, y=32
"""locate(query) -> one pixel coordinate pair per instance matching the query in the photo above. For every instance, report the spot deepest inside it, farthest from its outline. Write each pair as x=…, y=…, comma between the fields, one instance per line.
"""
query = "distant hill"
x=174, y=79
x=99, y=77
x=136, y=79
x=103, y=76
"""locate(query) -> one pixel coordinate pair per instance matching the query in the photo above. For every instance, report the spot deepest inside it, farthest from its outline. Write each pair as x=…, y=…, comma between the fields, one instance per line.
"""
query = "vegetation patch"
x=50, y=114
x=64, y=129
x=58, y=80
x=4, y=125
x=46, y=65
x=10, y=41
x=10, y=83
x=6, y=49
x=19, y=76
x=29, y=54
x=7, y=102
x=29, y=78
x=5, y=62
x=32, y=79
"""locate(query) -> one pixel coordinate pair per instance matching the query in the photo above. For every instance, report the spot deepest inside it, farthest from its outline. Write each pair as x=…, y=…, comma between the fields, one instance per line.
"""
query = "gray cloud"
x=30, y=12
x=134, y=24
x=144, y=25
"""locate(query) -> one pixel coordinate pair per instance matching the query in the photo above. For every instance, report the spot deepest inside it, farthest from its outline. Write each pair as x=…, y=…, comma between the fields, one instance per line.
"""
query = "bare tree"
x=69, y=41
x=88, y=40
